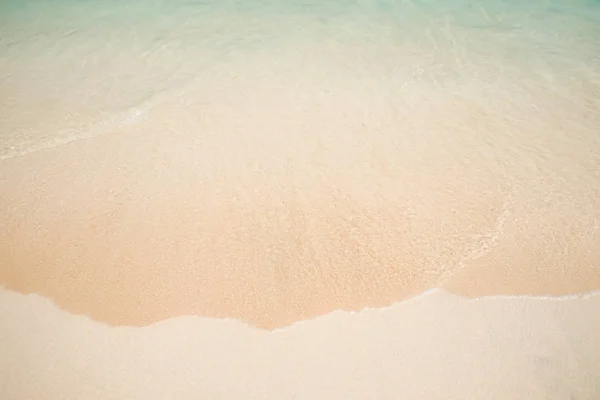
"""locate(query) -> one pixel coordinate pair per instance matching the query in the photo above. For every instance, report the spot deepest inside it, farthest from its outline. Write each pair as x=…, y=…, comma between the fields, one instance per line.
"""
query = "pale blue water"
x=131, y=50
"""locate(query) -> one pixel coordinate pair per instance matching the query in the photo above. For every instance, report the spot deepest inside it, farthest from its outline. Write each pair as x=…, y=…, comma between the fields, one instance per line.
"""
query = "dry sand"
x=433, y=347
x=267, y=172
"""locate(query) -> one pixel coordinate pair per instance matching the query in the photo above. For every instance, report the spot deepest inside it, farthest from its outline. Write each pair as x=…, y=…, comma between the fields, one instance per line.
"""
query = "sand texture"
x=196, y=191
x=256, y=198
x=437, y=346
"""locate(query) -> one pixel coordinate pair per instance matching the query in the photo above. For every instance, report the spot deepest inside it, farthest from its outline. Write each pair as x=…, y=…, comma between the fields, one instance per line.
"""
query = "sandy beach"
x=403, y=199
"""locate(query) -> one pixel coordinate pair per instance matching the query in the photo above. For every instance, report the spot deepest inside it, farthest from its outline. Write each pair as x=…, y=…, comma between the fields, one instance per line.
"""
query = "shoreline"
x=485, y=348
x=583, y=296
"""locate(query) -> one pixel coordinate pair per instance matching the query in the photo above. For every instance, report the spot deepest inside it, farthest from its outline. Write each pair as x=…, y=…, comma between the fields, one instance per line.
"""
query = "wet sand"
x=271, y=204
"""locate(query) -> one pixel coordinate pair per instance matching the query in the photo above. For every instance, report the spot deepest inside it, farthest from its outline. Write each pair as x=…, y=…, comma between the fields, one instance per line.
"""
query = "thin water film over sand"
x=275, y=161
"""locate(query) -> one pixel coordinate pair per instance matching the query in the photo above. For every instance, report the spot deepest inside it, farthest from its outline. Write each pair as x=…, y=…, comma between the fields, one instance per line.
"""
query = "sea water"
x=69, y=67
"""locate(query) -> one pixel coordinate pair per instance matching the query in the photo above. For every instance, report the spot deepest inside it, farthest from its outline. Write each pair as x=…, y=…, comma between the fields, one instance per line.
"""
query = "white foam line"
x=130, y=116
x=437, y=291
x=487, y=242
x=566, y=297
x=102, y=128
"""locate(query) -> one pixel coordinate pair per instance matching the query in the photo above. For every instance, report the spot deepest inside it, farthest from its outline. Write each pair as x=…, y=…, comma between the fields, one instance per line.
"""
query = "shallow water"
x=78, y=66
x=272, y=161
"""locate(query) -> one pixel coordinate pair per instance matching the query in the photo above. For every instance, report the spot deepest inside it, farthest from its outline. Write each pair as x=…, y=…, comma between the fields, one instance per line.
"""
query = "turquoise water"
x=564, y=32
x=127, y=51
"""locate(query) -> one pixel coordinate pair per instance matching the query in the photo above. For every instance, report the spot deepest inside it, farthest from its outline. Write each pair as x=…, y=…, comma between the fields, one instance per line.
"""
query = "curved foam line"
x=487, y=242
x=130, y=116
x=104, y=127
